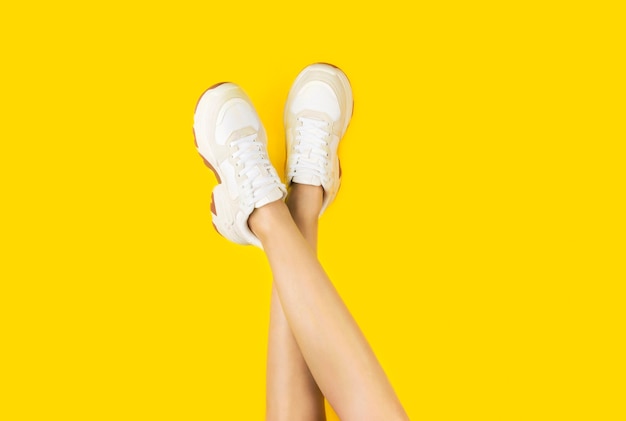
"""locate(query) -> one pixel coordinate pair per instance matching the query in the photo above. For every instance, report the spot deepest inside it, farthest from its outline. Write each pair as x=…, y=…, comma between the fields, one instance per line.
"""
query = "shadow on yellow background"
x=477, y=238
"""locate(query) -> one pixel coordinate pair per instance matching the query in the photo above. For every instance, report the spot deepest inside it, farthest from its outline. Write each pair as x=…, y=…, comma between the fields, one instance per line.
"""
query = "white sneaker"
x=317, y=114
x=232, y=141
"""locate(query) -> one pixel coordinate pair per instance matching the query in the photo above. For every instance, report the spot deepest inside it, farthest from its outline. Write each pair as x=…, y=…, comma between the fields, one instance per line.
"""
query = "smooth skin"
x=292, y=393
x=330, y=342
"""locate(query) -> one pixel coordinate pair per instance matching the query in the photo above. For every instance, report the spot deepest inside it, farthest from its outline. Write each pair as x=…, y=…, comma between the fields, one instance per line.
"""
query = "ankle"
x=262, y=219
x=305, y=202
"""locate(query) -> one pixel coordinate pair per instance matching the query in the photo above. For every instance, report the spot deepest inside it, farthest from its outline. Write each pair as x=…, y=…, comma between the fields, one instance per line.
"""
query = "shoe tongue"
x=274, y=195
x=310, y=179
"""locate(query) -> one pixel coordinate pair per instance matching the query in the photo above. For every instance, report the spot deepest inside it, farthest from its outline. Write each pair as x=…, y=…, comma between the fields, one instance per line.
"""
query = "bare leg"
x=335, y=350
x=292, y=393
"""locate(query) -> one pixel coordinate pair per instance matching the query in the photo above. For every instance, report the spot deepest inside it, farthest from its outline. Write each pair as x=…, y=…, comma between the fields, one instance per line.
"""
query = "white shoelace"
x=310, y=151
x=254, y=167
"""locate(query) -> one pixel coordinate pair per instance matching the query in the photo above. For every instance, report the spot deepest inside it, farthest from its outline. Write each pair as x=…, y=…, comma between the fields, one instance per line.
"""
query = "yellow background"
x=478, y=237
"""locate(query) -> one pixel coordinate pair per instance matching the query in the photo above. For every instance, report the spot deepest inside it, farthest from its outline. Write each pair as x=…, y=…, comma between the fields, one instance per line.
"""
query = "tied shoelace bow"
x=310, y=150
x=254, y=167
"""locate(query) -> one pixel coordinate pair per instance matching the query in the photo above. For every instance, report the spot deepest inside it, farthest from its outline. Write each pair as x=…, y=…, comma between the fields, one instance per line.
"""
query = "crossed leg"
x=292, y=393
x=331, y=343
x=308, y=316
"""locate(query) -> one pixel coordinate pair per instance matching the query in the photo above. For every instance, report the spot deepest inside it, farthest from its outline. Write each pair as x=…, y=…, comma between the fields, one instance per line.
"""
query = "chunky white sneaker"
x=317, y=114
x=232, y=141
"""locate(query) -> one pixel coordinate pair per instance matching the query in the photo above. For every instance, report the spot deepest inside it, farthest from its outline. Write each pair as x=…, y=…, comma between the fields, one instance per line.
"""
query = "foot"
x=317, y=114
x=232, y=141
